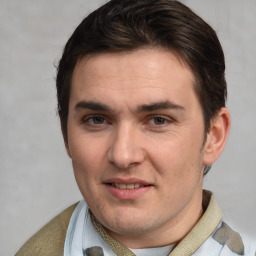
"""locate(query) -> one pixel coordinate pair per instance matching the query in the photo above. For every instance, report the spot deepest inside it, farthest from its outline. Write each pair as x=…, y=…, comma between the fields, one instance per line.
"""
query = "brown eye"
x=159, y=120
x=96, y=123
x=94, y=120
x=97, y=120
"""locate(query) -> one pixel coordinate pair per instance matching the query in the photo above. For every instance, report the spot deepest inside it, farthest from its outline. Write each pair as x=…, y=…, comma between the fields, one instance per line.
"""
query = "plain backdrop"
x=36, y=177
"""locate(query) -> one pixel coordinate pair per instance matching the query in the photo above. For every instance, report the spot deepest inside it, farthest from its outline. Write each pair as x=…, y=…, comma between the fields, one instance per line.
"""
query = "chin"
x=128, y=223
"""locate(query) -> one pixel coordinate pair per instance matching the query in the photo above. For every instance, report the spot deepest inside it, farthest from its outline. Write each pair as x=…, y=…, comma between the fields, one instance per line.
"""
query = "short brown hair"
x=126, y=25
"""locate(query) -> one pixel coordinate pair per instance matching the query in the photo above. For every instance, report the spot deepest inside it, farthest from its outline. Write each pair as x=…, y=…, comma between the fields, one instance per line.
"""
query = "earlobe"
x=217, y=136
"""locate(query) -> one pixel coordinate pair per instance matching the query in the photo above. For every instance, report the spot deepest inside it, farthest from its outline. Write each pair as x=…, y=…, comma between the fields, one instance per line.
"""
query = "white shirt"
x=82, y=235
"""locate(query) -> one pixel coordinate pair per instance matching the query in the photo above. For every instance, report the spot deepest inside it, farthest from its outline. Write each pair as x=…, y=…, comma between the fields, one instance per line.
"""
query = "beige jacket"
x=49, y=241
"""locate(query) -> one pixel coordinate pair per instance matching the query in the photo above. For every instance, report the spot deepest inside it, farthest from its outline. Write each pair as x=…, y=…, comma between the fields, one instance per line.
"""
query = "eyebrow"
x=158, y=106
x=97, y=106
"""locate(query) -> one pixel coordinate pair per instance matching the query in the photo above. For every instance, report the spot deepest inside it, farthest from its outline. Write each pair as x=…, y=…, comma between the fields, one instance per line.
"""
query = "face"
x=135, y=137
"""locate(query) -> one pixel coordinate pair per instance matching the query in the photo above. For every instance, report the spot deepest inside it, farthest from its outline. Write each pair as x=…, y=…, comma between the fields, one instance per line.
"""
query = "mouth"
x=127, y=189
x=127, y=186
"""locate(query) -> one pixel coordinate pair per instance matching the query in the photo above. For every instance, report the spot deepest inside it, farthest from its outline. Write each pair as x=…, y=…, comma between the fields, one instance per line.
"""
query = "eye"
x=158, y=120
x=96, y=120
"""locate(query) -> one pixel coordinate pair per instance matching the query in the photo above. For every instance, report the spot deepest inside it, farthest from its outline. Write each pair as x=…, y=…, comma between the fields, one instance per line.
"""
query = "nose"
x=126, y=150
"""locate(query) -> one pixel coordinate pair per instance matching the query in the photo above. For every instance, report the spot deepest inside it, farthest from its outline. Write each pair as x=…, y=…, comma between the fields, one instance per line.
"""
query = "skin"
x=135, y=118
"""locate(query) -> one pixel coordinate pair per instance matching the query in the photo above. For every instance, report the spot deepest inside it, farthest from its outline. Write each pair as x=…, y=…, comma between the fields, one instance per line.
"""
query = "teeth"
x=137, y=185
x=122, y=186
x=130, y=186
x=127, y=186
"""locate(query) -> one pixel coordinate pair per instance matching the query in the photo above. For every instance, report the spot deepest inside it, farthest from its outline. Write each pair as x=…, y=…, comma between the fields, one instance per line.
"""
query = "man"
x=141, y=98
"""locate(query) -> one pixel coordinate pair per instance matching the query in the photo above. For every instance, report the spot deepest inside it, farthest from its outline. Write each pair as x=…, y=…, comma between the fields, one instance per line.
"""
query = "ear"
x=217, y=136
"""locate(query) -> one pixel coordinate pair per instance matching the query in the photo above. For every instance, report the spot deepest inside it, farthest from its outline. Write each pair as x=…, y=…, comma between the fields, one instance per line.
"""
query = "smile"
x=127, y=186
x=128, y=190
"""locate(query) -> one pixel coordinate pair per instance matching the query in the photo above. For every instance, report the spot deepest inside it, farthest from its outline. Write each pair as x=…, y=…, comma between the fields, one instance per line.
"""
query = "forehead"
x=140, y=75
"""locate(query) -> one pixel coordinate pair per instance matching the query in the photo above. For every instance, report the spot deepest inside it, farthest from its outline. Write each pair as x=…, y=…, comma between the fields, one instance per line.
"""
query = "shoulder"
x=44, y=242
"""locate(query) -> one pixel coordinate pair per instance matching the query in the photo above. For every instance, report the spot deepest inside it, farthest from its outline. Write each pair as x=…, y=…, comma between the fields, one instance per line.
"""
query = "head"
x=141, y=96
x=121, y=26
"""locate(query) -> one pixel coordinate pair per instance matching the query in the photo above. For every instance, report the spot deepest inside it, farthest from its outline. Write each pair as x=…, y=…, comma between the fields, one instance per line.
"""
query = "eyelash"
x=89, y=121
x=160, y=118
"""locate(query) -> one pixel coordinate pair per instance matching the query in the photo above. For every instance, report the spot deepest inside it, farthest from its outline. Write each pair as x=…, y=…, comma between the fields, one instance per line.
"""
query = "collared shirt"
x=210, y=236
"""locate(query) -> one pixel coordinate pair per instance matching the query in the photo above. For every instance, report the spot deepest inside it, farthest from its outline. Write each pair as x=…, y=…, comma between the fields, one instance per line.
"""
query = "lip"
x=127, y=194
x=127, y=181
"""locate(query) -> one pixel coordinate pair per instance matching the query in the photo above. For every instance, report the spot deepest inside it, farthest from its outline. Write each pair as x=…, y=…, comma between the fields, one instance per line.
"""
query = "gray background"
x=36, y=178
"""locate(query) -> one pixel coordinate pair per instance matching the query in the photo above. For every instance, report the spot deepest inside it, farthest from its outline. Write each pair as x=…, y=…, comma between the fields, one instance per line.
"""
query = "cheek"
x=167, y=154
x=87, y=165
x=87, y=157
x=177, y=158
x=84, y=147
